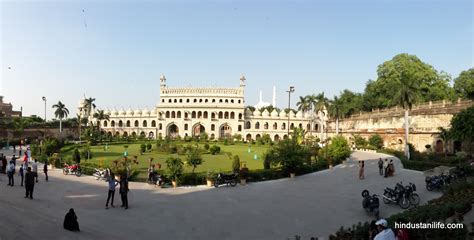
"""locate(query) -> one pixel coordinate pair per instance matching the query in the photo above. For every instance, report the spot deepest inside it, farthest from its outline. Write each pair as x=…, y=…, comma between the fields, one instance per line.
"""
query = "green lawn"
x=217, y=163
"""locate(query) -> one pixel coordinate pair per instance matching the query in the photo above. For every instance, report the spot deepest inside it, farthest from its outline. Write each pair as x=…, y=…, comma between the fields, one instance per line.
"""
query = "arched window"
x=316, y=127
x=144, y=124
x=167, y=114
x=265, y=126
x=232, y=115
x=226, y=115
x=153, y=123
x=112, y=124
x=128, y=123
x=175, y=101
x=162, y=100
x=213, y=100
x=220, y=100
x=232, y=101
x=169, y=100
x=257, y=125
x=193, y=114
x=221, y=115
x=205, y=114
x=283, y=126
x=136, y=123
x=185, y=115
x=239, y=101
x=200, y=100
x=239, y=128
x=206, y=100
x=292, y=126
x=275, y=126
x=226, y=101
x=160, y=126
x=308, y=127
x=105, y=123
x=173, y=114
x=213, y=127
x=187, y=100
x=186, y=126
x=180, y=100
x=120, y=123
x=300, y=125
x=213, y=115
x=195, y=100
x=199, y=114
x=178, y=115
x=247, y=125
x=240, y=116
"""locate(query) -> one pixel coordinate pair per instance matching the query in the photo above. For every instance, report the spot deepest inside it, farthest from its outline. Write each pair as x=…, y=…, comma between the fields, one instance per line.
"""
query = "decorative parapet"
x=183, y=91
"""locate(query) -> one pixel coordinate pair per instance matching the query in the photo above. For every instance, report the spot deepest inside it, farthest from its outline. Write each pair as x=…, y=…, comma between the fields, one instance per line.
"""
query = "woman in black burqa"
x=70, y=221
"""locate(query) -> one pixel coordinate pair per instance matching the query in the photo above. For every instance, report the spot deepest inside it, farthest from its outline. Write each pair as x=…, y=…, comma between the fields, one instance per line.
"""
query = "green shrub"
x=359, y=141
x=376, y=141
x=338, y=149
x=142, y=148
x=76, y=156
x=206, y=146
x=175, y=168
x=215, y=149
x=236, y=164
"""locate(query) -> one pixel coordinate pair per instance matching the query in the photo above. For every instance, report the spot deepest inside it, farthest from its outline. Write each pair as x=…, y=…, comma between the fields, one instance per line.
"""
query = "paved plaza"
x=316, y=204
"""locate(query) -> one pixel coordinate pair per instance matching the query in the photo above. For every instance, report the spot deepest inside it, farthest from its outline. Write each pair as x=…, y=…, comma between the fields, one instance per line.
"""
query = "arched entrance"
x=151, y=135
x=172, y=131
x=439, y=146
x=225, y=131
x=248, y=138
x=198, y=129
x=276, y=138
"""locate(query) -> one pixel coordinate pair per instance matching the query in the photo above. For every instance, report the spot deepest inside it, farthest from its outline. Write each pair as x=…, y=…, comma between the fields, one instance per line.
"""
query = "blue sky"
x=47, y=50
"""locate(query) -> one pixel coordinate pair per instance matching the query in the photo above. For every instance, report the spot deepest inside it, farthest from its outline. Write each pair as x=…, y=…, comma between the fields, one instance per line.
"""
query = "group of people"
x=386, y=168
x=379, y=230
x=123, y=190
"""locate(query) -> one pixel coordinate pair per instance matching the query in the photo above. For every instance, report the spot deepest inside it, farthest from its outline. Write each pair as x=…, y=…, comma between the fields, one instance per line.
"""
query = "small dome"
x=115, y=112
x=299, y=114
x=257, y=113
x=146, y=111
x=274, y=113
x=265, y=113
x=107, y=112
x=122, y=112
x=137, y=112
x=282, y=113
x=248, y=113
x=129, y=112
x=292, y=114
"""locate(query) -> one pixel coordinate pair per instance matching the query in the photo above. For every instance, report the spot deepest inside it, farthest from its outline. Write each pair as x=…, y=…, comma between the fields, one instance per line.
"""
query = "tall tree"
x=303, y=104
x=19, y=125
x=320, y=107
x=89, y=106
x=464, y=84
x=351, y=102
x=100, y=115
x=61, y=112
x=407, y=93
x=336, y=111
x=462, y=127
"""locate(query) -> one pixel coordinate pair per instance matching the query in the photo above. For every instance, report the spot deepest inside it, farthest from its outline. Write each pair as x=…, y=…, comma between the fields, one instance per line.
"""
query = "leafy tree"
x=351, y=102
x=194, y=158
x=360, y=141
x=214, y=149
x=462, y=126
x=338, y=149
x=289, y=154
x=175, y=168
x=61, y=112
x=89, y=102
x=269, y=158
x=336, y=111
x=236, y=164
x=464, y=84
x=100, y=116
x=376, y=141
x=76, y=156
x=19, y=125
x=303, y=104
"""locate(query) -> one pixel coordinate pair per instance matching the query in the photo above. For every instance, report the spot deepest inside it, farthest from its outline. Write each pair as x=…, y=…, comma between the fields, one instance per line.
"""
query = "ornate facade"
x=219, y=112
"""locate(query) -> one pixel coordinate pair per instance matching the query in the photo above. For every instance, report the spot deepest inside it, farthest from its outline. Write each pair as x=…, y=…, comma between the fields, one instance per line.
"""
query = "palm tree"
x=408, y=91
x=61, y=112
x=321, y=105
x=303, y=104
x=100, y=115
x=311, y=99
x=19, y=125
x=335, y=111
x=89, y=106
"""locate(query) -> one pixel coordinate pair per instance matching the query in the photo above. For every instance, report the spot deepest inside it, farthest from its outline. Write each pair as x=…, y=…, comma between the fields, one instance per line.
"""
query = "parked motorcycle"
x=397, y=195
x=229, y=179
x=156, y=179
x=101, y=174
x=437, y=182
x=72, y=169
x=371, y=203
x=413, y=197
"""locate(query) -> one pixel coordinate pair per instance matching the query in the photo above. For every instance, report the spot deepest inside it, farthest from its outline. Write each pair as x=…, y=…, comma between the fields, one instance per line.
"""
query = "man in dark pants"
x=45, y=170
x=124, y=190
x=112, y=185
x=29, y=183
x=381, y=167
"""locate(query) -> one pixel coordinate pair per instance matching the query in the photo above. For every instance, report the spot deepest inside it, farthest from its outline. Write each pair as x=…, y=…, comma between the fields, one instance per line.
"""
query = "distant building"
x=6, y=110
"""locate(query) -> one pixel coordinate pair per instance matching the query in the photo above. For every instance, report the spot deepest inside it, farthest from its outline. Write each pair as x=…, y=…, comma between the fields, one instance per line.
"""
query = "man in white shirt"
x=385, y=233
x=34, y=169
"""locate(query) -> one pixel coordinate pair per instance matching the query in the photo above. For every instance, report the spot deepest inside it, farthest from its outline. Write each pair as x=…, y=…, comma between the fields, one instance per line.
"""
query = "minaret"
x=260, y=97
x=242, y=80
x=274, y=100
x=162, y=81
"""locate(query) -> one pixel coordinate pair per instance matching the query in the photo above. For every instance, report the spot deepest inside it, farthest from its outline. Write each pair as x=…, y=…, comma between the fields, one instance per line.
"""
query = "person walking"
x=34, y=169
x=124, y=190
x=11, y=173
x=25, y=160
x=380, y=167
x=361, y=170
x=385, y=167
x=391, y=168
x=21, y=174
x=45, y=170
x=29, y=183
x=112, y=185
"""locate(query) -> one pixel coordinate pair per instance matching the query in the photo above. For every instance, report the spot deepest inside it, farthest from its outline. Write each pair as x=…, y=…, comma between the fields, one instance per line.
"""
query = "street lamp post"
x=291, y=90
x=44, y=99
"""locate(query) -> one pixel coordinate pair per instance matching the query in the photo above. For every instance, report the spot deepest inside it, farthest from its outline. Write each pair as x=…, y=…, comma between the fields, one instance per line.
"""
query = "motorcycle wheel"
x=233, y=183
x=404, y=203
x=78, y=173
x=414, y=199
x=216, y=184
x=429, y=187
x=65, y=171
x=386, y=199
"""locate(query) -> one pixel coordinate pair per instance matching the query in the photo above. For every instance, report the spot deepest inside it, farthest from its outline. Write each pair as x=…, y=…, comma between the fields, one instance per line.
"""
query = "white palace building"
x=190, y=111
